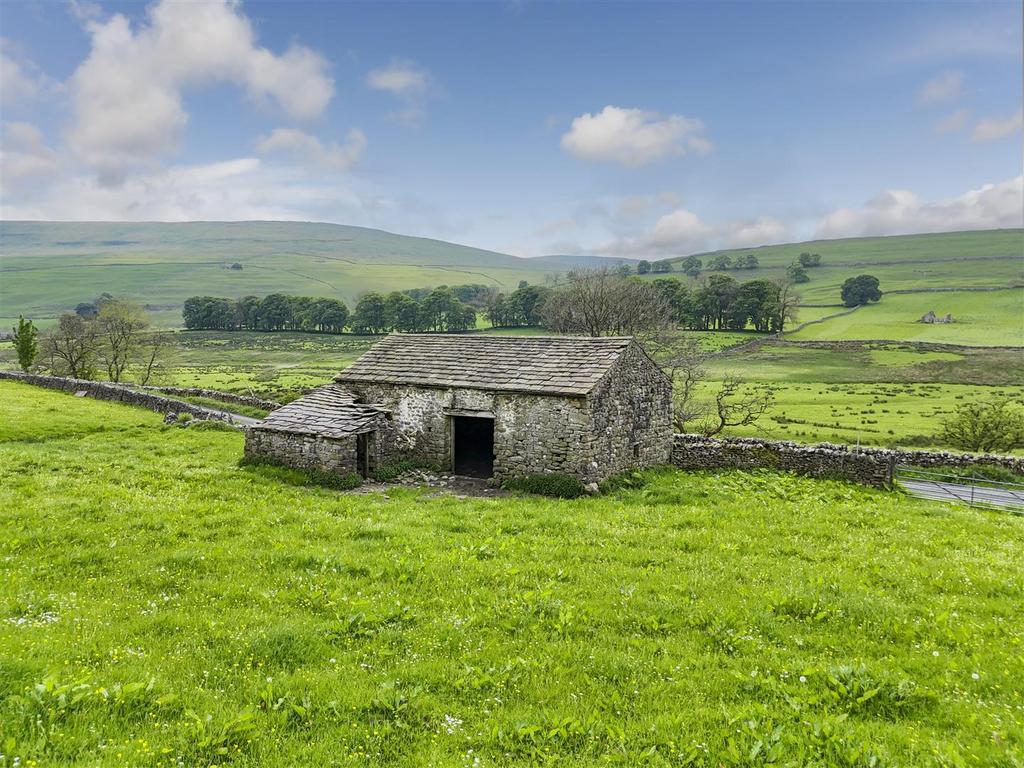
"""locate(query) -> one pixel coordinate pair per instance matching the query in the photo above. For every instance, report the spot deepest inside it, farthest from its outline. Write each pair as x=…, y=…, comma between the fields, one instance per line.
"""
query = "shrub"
x=555, y=484
x=339, y=481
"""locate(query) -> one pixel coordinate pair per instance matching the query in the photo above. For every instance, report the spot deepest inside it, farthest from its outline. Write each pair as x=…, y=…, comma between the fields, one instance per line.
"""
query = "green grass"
x=882, y=414
x=982, y=318
x=163, y=606
x=49, y=267
x=958, y=259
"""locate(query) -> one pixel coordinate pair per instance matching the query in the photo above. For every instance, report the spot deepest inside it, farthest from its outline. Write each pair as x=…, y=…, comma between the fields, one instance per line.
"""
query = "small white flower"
x=803, y=679
x=975, y=676
x=935, y=653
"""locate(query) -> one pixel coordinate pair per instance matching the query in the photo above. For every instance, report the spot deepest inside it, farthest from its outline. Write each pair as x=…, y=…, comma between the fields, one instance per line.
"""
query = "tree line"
x=437, y=309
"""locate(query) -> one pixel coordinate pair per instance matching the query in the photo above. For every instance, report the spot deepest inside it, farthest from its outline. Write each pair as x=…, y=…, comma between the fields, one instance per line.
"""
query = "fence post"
x=892, y=472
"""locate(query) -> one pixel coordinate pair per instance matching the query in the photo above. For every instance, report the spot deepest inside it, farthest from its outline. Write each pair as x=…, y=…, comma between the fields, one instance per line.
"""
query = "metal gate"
x=974, y=491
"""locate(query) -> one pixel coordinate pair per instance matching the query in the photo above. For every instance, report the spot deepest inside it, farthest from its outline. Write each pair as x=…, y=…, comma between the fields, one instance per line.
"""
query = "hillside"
x=163, y=603
x=990, y=258
x=48, y=267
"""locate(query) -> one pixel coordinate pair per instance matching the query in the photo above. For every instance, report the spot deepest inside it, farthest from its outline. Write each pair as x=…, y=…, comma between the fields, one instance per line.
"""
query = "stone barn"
x=484, y=406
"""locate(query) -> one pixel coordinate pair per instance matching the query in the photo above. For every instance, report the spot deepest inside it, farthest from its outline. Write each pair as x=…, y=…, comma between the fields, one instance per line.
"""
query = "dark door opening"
x=473, y=446
x=364, y=454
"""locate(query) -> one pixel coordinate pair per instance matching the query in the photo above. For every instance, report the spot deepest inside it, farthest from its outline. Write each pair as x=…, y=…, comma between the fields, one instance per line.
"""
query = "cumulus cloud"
x=25, y=160
x=310, y=150
x=953, y=122
x=128, y=92
x=993, y=128
x=944, y=87
x=233, y=190
x=400, y=77
x=900, y=212
x=633, y=137
x=409, y=82
x=763, y=230
x=21, y=81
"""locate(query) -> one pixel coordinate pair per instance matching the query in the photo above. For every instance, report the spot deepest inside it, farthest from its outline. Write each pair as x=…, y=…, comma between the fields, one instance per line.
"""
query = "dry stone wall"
x=870, y=466
x=213, y=394
x=102, y=390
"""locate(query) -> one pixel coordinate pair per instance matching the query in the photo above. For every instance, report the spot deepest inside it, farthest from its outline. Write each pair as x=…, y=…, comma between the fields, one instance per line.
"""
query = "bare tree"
x=789, y=303
x=71, y=347
x=151, y=351
x=684, y=359
x=120, y=324
x=735, y=407
x=602, y=302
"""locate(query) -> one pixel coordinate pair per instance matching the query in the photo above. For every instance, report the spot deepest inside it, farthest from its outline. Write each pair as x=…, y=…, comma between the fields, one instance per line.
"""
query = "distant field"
x=882, y=414
x=161, y=606
x=982, y=318
x=48, y=268
x=990, y=258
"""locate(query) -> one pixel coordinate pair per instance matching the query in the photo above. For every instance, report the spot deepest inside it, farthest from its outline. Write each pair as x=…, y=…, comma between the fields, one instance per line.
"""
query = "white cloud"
x=678, y=232
x=900, y=212
x=763, y=230
x=993, y=128
x=128, y=92
x=400, y=77
x=953, y=122
x=21, y=81
x=25, y=160
x=945, y=87
x=309, y=149
x=234, y=190
x=633, y=137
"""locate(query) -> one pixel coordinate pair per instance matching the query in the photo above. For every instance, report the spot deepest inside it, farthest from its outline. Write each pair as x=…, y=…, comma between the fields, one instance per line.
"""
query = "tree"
x=692, y=266
x=736, y=407
x=276, y=312
x=797, y=274
x=370, y=315
x=247, y=311
x=810, y=260
x=859, y=290
x=600, y=302
x=26, y=342
x=209, y=313
x=661, y=267
x=86, y=310
x=683, y=358
x=119, y=324
x=721, y=261
x=643, y=267
x=986, y=426
x=787, y=306
x=152, y=347
x=71, y=347
x=747, y=262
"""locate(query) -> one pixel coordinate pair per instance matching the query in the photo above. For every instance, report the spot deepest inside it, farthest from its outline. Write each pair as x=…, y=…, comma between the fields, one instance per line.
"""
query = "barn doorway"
x=365, y=445
x=473, y=446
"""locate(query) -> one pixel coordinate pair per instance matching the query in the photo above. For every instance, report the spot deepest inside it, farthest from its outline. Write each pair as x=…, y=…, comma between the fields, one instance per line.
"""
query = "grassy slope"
x=989, y=318
x=690, y=619
x=988, y=258
x=49, y=267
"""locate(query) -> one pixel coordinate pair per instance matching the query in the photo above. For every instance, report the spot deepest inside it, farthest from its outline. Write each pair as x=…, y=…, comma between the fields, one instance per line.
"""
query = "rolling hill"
x=981, y=259
x=48, y=267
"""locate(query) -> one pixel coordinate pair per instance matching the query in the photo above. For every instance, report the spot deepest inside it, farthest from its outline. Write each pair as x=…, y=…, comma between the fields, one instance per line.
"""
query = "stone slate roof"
x=549, y=365
x=329, y=411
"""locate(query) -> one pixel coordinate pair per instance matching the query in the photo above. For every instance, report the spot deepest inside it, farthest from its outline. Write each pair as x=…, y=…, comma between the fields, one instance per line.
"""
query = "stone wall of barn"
x=631, y=417
x=533, y=434
x=302, y=451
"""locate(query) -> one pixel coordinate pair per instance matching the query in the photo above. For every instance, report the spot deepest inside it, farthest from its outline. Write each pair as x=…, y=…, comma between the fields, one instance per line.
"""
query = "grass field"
x=48, y=267
x=982, y=318
x=991, y=258
x=164, y=607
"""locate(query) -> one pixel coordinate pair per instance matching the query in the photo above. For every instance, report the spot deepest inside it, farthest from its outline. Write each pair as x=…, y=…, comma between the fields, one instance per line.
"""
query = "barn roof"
x=550, y=365
x=329, y=411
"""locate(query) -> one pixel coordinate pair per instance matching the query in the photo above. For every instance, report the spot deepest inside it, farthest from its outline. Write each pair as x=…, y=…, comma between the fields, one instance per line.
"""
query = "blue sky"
x=632, y=129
